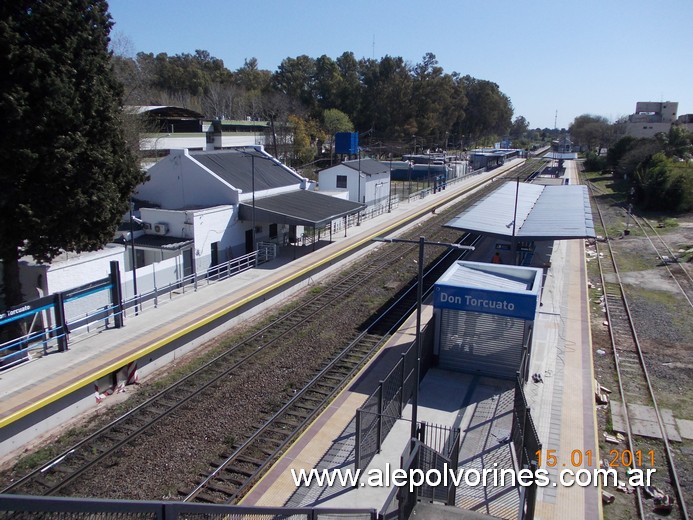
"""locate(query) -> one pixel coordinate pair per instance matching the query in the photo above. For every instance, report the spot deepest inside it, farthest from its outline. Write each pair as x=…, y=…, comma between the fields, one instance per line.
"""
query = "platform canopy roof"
x=300, y=208
x=542, y=213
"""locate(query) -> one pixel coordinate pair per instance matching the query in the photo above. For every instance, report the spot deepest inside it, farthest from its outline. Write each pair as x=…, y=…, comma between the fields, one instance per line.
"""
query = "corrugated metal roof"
x=465, y=276
x=560, y=211
x=301, y=207
x=543, y=213
x=368, y=166
x=236, y=168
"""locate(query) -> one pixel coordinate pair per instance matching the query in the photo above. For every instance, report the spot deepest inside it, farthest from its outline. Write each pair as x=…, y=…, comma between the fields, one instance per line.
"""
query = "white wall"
x=376, y=188
x=179, y=223
x=162, y=273
x=373, y=187
x=178, y=181
x=70, y=271
x=211, y=225
x=228, y=141
x=83, y=268
x=327, y=181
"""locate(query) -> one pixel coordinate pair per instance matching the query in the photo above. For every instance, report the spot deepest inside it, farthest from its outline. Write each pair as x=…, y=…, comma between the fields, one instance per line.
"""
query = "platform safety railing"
x=52, y=322
x=29, y=507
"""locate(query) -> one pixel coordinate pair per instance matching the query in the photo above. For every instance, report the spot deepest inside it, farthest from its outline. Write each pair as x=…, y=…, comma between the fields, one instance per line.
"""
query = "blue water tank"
x=346, y=143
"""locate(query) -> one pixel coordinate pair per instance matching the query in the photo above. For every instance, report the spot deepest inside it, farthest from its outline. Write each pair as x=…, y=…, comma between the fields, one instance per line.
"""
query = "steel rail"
x=163, y=407
x=378, y=339
x=612, y=321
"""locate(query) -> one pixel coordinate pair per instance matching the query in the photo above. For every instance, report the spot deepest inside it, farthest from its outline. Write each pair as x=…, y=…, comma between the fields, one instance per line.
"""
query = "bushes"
x=594, y=162
x=661, y=184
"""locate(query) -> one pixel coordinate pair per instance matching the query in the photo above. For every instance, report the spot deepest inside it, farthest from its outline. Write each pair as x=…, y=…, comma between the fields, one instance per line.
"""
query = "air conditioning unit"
x=160, y=228
x=147, y=226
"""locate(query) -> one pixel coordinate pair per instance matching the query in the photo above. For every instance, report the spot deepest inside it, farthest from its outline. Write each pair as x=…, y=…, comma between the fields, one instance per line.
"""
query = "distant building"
x=366, y=180
x=173, y=128
x=651, y=118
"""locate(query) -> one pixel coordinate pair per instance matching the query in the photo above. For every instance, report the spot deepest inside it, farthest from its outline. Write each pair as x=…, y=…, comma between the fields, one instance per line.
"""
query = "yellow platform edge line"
x=19, y=414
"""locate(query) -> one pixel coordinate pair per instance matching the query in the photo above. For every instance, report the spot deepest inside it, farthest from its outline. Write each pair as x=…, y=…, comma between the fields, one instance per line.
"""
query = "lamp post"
x=252, y=187
x=389, y=188
x=358, y=215
x=419, y=300
x=133, y=257
x=252, y=173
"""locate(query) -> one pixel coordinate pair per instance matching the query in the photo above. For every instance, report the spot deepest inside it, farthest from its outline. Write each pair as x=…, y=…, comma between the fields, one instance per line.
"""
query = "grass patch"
x=670, y=300
x=666, y=224
x=628, y=263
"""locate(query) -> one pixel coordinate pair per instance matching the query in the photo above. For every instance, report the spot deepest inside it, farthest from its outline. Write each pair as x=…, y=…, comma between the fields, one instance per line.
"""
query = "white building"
x=197, y=210
x=651, y=118
x=366, y=180
x=210, y=207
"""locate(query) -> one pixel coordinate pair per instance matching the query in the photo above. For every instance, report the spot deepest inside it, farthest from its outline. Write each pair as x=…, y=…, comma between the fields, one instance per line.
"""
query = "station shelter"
x=484, y=316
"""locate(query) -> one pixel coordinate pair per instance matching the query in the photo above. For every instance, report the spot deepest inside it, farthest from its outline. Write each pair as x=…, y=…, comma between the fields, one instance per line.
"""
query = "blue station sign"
x=514, y=305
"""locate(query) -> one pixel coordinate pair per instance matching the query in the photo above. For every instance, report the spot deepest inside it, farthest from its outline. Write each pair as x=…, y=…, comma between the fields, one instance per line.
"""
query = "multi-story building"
x=651, y=118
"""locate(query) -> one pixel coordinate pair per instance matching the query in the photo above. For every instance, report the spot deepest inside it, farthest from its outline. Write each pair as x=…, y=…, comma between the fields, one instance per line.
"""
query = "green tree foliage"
x=334, y=121
x=594, y=162
x=677, y=142
x=592, y=132
x=251, y=78
x=658, y=169
x=67, y=171
x=306, y=134
x=662, y=185
x=388, y=98
x=519, y=128
x=489, y=111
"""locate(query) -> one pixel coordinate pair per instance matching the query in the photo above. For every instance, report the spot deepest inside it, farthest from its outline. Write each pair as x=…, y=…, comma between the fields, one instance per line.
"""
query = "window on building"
x=341, y=181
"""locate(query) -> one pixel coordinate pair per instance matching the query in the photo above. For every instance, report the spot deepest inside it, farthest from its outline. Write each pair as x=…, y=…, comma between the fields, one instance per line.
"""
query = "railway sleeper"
x=270, y=452
x=225, y=490
x=307, y=410
x=245, y=459
x=280, y=432
x=286, y=424
x=204, y=497
x=240, y=471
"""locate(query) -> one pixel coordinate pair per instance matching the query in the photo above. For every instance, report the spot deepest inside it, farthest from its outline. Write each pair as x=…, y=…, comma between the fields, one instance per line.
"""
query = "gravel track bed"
x=664, y=324
x=171, y=456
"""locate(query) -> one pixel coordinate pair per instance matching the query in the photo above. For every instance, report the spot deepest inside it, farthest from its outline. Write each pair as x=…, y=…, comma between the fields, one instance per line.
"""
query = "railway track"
x=668, y=258
x=247, y=461
x=231, y=477
x=678, y=272
x=69, y=465
x=635, y=387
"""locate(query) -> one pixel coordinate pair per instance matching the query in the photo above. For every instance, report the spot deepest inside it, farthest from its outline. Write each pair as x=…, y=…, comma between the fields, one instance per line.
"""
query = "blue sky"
x=589, y=56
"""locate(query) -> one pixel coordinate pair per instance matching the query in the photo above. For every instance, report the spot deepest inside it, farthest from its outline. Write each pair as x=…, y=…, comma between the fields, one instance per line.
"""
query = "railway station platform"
x=48, y=392
x=561, y=401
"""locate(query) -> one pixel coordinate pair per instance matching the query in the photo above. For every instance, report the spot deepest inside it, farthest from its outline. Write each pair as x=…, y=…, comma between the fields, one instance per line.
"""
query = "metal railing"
x=30, y=507
x=526, y=443
x=52, y=320
x=418, y=455
x=379, y=413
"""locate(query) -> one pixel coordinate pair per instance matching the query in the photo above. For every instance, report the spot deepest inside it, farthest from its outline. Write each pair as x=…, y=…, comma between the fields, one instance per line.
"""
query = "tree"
x=295, y=78
x=661, y=185
x=335, y=121
x=251, y=78
x=489, y=111
x=67, y=171
x=593, y=132
x=519, y=128
x=306, y=133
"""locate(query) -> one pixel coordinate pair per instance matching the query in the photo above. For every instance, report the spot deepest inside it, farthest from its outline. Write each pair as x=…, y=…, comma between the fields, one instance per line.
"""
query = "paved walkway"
x=49, y=391
x=481, y=407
